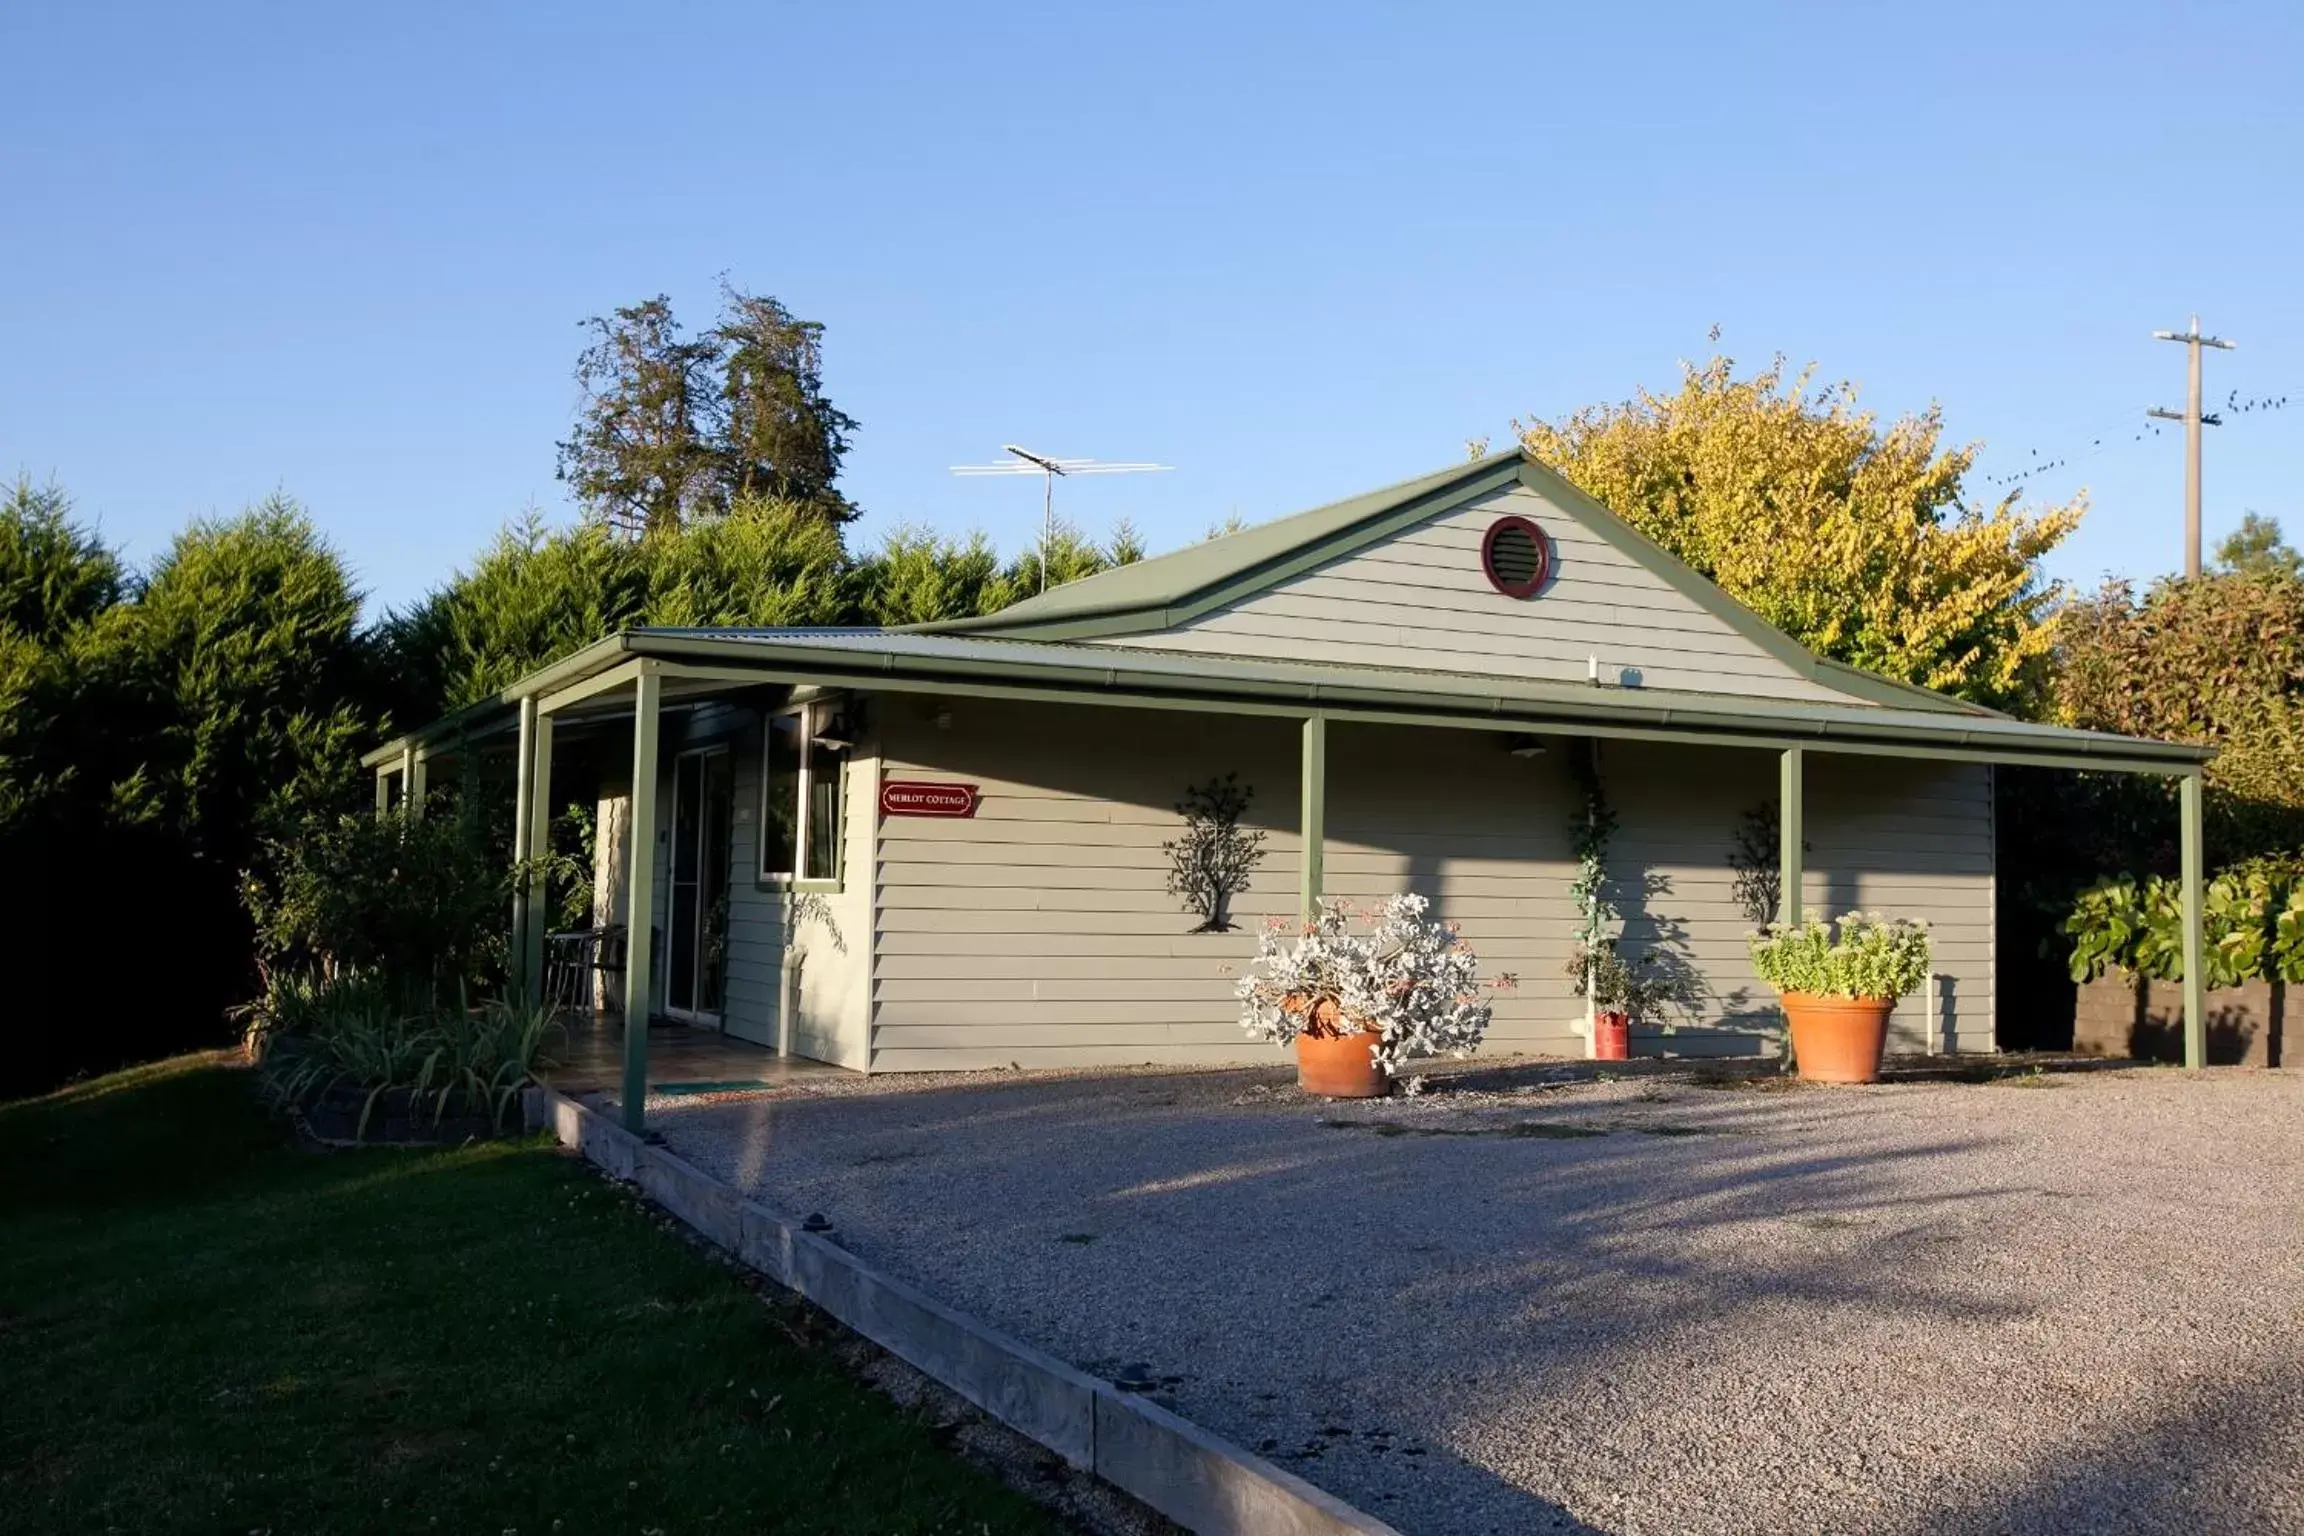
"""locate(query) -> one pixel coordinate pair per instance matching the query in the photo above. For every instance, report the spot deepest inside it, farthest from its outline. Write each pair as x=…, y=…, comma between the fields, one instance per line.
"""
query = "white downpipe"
x=1591, y=1017
x=1591, y=1001
x=788, y=1015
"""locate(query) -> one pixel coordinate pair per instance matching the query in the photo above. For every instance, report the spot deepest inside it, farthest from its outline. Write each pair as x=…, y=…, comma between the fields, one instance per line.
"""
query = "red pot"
x=1340, y=1066
x=1838, y=1039
x=1612, y=1035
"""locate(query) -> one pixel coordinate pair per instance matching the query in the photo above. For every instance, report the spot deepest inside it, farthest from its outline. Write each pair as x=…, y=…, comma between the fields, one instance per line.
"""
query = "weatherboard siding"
x=1040, y=931
x=1420, y=599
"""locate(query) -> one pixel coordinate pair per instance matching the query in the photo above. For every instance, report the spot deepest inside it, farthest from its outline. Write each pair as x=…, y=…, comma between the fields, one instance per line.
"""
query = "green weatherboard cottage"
x=941, y=847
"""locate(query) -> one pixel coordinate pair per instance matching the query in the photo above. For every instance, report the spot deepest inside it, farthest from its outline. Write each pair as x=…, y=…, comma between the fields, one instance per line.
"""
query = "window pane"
x=779, y=817
x=823, y=813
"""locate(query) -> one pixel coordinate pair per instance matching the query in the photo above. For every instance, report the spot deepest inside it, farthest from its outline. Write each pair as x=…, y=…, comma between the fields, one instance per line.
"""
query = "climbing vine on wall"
x=1591, y=826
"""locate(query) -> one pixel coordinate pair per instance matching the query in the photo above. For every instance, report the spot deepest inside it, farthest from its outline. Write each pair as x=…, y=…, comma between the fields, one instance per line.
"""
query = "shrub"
x=2251, y=919
x=1412, y=982
x=1644, y=987
x=2218, y=660
x=421, y=901
x=1872, y=956
x=316, y=1036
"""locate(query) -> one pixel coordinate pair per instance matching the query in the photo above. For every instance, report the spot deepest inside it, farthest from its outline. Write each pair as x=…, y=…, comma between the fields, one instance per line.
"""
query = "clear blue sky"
x=1296, y=253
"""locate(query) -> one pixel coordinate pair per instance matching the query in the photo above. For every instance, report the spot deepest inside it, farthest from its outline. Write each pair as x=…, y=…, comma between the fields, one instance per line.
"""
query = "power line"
x=2109, y=434
x=2121, y=433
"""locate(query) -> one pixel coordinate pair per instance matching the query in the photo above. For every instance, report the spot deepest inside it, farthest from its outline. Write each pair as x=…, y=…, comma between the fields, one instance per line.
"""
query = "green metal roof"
x=1037, y=649
x=964, y=665
x=1173, y=589
x=1151, y=588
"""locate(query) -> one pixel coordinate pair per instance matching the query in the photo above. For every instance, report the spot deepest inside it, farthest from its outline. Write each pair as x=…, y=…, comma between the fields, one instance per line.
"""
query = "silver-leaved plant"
x=1386, y=970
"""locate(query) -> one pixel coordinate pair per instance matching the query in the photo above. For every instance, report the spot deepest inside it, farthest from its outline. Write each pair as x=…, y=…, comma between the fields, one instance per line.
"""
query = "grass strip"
x=204, y=1328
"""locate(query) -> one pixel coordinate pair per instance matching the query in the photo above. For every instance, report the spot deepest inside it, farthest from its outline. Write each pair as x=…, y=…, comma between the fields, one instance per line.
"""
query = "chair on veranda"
x=582, y=963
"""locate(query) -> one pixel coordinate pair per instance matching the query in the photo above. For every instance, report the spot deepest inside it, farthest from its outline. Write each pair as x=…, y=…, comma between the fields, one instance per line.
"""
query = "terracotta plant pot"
x=1838, y=1039
x=1611, y=1035
x=1340, y=1066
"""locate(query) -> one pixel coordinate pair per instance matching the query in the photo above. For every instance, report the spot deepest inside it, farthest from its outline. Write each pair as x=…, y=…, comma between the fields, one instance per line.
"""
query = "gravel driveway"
x=1529, y=1301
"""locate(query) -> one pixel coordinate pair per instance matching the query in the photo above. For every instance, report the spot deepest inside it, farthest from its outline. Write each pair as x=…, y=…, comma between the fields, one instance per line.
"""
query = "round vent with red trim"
x=1516, y=556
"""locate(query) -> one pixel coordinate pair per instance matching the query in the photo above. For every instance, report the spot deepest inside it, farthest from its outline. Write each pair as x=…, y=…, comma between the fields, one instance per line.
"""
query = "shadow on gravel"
x=2178, y=1470
x=1433, y=1312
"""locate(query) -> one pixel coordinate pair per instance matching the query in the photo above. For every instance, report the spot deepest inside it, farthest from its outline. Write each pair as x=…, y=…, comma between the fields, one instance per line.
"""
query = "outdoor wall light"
x=838, y=734
x=1525, y=746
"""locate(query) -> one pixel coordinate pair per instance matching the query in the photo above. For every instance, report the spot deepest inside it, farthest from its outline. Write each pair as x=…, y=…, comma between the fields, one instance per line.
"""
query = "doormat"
x=725, y=1085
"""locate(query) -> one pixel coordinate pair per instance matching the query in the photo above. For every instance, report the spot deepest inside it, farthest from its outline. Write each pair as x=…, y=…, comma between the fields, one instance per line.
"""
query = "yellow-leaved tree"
x=1852, y=538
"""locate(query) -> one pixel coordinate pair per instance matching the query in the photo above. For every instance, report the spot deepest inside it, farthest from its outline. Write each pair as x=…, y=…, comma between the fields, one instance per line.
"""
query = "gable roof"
x=1173, y=589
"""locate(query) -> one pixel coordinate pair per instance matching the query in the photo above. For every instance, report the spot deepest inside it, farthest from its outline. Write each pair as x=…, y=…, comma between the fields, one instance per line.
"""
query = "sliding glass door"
x=696, y=928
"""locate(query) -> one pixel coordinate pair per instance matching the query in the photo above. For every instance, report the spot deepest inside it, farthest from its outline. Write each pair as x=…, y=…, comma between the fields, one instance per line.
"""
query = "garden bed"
x=2123, y=1014
x=399, y=1117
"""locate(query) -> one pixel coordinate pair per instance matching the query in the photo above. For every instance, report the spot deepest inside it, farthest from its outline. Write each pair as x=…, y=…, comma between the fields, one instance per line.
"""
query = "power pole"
x=2193, y=422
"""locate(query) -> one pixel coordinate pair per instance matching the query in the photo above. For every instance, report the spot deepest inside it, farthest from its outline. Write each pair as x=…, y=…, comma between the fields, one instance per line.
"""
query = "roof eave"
x=1984, y=737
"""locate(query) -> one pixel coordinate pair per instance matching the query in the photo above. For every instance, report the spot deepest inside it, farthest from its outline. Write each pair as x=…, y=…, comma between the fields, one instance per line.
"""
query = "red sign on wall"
x=921, y=797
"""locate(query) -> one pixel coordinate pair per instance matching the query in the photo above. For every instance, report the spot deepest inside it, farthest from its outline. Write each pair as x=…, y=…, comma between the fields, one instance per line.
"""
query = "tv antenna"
x=1026, y=462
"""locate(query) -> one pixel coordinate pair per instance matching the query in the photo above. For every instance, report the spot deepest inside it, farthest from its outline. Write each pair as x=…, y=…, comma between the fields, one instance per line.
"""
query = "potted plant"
x=1624, y=992
x=1360, y=992
x=1838, y=989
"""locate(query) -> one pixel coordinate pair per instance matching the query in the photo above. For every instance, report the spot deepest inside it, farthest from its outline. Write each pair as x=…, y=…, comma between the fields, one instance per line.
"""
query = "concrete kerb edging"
x=1200, y=1480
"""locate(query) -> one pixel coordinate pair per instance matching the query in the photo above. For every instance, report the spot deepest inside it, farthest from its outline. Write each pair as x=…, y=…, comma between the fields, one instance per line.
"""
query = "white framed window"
x=800, y=781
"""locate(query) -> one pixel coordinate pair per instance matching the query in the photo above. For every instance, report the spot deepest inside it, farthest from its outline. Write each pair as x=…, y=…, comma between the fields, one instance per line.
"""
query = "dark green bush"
x=421, y=901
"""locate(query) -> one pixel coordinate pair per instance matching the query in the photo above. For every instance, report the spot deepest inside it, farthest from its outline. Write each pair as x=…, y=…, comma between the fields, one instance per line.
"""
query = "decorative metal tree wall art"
x=1211, y=862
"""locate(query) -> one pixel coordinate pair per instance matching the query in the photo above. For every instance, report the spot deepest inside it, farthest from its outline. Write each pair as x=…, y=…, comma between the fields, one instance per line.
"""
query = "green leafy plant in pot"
x=1624, y=992
x=1839, y=987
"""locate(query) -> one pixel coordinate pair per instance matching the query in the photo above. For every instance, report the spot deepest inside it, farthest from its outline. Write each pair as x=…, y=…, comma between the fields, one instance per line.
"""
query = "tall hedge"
x=540, y=593
x=2217, y=660
x=153, y=726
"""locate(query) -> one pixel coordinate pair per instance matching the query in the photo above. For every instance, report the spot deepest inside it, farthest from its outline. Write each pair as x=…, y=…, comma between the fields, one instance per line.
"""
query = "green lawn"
x=205, y=1329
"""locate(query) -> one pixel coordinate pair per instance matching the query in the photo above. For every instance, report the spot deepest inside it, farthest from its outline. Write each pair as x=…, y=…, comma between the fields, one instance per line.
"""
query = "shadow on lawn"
x=120, y=1140
x=207, y=1328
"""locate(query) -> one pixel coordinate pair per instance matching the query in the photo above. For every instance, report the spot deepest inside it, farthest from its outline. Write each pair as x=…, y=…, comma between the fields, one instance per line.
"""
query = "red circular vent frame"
x=1535, y=582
